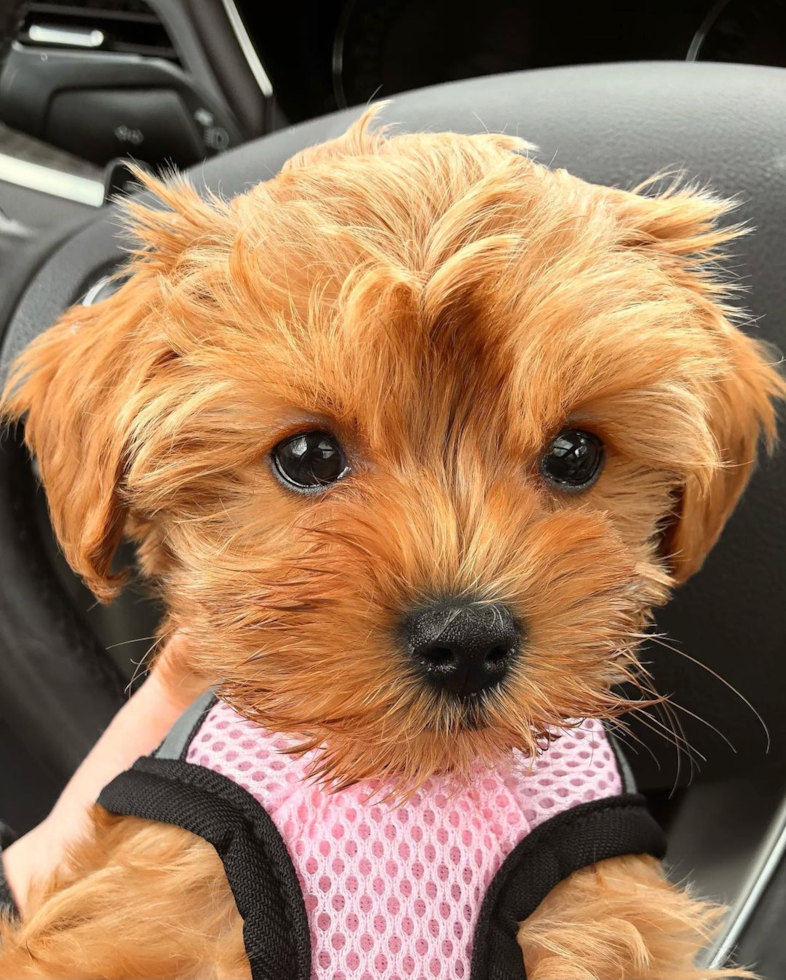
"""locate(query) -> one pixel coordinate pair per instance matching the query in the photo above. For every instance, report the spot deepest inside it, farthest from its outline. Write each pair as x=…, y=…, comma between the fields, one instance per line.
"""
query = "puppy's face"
x=413, y=437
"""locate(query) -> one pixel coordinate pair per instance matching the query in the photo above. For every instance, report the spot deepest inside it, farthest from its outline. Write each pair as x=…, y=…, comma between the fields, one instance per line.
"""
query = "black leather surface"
x=24, y=246
x=58, y=688
x=613, y=124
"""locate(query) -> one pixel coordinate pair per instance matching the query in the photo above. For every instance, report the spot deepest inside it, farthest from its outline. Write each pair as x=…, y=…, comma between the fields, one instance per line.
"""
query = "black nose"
x=463, y=648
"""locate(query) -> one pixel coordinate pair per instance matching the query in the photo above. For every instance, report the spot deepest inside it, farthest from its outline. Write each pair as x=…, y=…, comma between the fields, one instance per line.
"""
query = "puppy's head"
x=412, y=437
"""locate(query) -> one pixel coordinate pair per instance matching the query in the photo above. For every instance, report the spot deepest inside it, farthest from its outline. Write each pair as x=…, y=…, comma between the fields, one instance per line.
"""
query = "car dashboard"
x=172, y=82
x=327, y=54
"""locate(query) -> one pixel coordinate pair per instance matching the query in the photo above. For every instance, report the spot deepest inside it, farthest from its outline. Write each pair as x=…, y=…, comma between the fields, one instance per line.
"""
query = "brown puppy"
x=443, y=308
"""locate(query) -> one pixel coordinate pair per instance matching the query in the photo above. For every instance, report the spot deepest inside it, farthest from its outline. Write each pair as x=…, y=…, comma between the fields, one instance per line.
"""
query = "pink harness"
x=395, y=891
x=343, y=886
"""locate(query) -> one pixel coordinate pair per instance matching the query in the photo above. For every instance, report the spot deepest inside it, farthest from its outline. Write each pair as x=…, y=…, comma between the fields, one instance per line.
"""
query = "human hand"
x=136, y=730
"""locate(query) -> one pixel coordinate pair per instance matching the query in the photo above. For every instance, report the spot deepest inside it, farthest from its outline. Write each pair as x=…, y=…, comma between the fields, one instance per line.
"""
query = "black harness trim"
x=257, y=864
x=572, y=840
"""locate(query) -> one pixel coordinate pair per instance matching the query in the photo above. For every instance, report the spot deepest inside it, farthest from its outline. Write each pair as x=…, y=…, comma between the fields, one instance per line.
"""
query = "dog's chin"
x=406, y=743
x=473, y=723
x=471, y=715
x=401, y=766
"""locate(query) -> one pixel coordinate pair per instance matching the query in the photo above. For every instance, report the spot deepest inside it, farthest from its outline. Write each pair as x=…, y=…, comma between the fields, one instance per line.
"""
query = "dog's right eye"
x=573, y=461
x=309, y=461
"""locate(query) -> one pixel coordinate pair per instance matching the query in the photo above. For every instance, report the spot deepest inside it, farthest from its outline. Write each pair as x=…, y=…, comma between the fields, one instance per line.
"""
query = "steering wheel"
x=611, y=124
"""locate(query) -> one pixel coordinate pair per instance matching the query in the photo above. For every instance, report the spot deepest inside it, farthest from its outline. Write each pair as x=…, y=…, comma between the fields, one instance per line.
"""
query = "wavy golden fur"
x=444, y=306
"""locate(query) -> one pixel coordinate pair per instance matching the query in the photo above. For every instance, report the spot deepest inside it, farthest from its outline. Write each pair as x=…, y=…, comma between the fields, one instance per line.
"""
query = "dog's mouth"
x=469, y=716
x=473, y=714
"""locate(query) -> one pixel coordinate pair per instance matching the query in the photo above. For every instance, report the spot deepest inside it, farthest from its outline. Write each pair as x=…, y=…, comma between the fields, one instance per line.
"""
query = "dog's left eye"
x=309, y=461
x=573, y=461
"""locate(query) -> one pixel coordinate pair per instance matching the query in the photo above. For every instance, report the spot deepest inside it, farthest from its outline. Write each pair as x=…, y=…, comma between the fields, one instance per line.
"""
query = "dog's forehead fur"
x=400, y=288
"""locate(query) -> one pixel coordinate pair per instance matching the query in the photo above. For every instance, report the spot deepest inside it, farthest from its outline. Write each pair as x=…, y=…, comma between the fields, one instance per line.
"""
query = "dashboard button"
x=152, y=125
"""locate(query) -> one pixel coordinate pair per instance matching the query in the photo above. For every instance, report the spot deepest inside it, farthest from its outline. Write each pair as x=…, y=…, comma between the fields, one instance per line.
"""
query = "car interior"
x=227, y=90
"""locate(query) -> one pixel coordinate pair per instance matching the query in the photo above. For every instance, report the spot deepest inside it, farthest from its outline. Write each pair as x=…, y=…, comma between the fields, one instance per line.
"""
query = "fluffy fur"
x=445, y=307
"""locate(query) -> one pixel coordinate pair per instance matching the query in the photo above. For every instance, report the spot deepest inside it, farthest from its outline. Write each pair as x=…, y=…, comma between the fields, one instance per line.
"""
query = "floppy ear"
x=740, y=411
x=78, y=386
x=680, y=229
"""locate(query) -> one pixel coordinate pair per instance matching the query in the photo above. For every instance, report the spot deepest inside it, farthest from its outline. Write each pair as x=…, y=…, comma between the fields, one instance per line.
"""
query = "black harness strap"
x=258, y=866
x=572, y=840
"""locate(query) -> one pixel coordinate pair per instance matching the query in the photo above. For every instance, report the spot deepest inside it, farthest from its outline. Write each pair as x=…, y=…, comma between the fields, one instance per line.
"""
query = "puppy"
x=412, y=383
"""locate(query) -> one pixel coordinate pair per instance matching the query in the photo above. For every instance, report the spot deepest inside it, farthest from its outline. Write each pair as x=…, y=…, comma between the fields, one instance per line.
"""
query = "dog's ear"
x=80, y=387
x=681, y=229
x=739, y=411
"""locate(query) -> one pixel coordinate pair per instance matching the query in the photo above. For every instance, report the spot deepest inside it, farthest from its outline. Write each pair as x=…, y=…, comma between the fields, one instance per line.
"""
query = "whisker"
x=718, y=732
x=666, y=646
x=625, y=731
x=125, y=643
x=677, y=738
x=675, y=723
x=667, y=706
x=140, y=667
